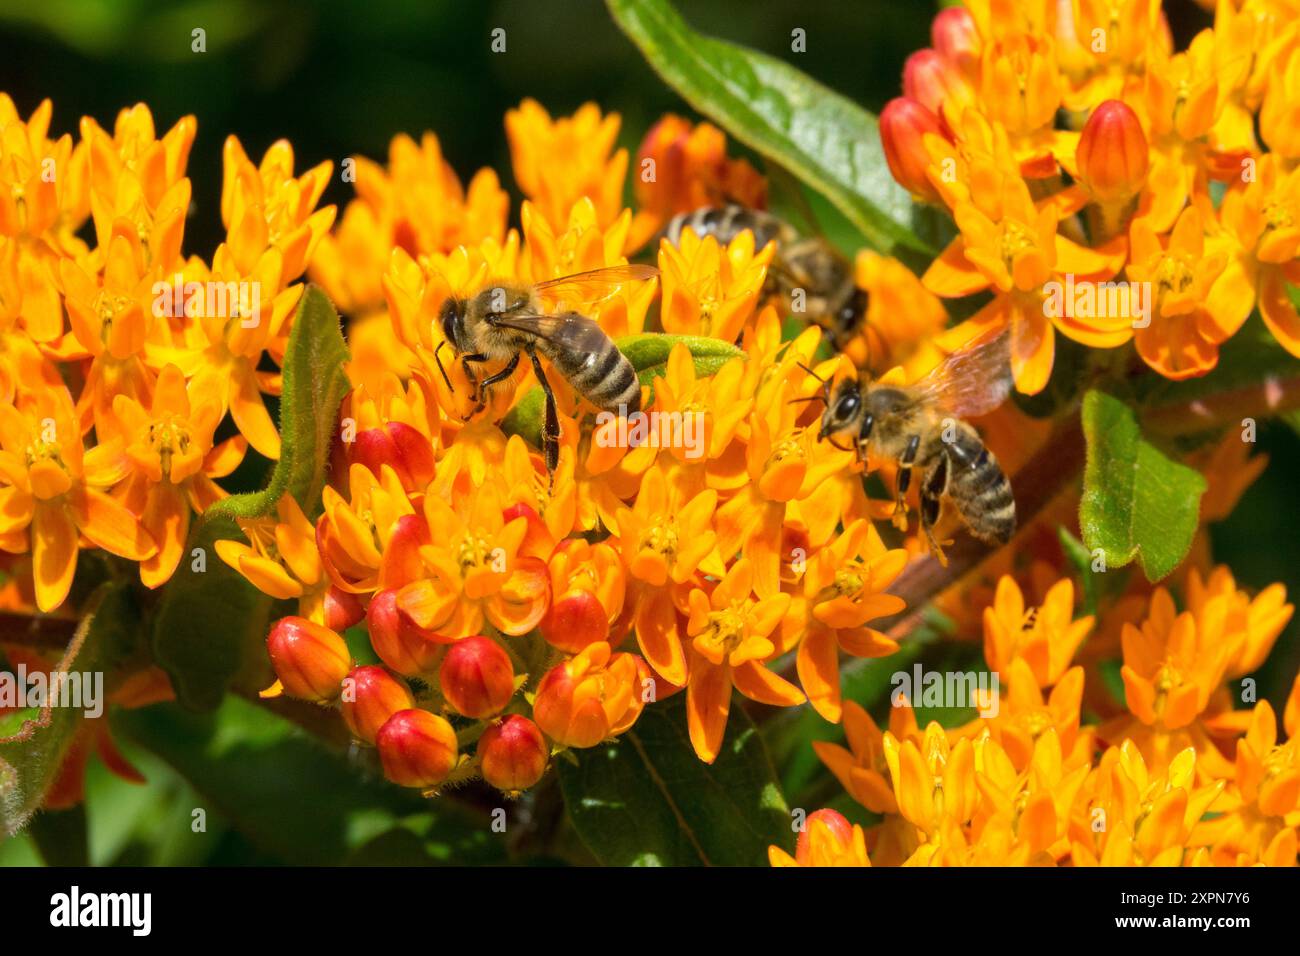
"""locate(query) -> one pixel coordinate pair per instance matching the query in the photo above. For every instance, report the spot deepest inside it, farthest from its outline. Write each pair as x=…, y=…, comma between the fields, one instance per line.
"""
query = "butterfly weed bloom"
x=1119, y=159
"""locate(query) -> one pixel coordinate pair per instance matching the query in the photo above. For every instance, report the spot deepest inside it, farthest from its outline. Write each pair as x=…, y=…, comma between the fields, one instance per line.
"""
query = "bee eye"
x=849, y=406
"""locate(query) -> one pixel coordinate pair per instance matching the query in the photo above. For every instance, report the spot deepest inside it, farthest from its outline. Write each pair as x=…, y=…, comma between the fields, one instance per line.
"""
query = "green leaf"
x=252, y=768
x=211, y=622
x=823, y=138
x=31, y=756
x=647, y=800
x=648, y=354
x=1137, y=502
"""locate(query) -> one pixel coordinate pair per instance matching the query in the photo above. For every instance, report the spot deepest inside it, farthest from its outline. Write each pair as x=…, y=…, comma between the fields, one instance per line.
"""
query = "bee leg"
x=550, y=422
x=469, y=374
x=481, y=390
x=933, y=486
x=904, y=481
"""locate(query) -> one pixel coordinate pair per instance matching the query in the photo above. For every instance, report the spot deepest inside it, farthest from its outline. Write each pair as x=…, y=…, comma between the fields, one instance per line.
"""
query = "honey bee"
x=505, y=320
x=920, y=427
x=831, y=297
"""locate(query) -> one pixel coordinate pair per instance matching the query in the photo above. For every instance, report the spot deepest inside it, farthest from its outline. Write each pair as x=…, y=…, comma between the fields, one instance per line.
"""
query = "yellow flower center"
x=726, y=629
x=108, y=306
x=1277, y=216
x=1016, y=238
x=789, y=448
x=168, y=437
x=1174, y=274
x=660, y=538
x=474, y=551
x=41, y=450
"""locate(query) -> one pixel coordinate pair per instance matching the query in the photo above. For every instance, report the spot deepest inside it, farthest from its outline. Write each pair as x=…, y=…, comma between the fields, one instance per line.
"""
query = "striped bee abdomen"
x=591, y=362
x=979, y=489
x=724, y=223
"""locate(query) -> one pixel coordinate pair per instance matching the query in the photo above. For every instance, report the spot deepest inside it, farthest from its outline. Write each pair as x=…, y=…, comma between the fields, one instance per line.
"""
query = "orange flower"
x=1045, y=637
x=281, y=557
x=683, y=166
x=730, y=640
x=843, y=588
x=1186, y=323
x=664, y=541
x=1011, y=245
x=709, y=290
x=51, y=488
x=473, y=570
x=171, y=447
x=558, y=162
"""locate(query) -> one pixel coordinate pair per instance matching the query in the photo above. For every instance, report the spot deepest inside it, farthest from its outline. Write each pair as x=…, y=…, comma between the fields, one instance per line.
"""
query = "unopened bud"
x=1112, y=154
x=956, y=39
x=476, y=677
x=575, y=620
x=402, y=448
x=841, y=832
x=400, y=642
x=904, y=124
x=929, y=80
x=590, y=697
x=309, y=659
x=376, y=696
x=416, y=748
x=512, y=754
x=342, y=609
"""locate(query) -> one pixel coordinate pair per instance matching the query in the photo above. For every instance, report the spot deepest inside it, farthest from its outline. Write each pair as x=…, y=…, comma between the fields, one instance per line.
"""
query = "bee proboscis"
x=921, y=427
x=506, y=319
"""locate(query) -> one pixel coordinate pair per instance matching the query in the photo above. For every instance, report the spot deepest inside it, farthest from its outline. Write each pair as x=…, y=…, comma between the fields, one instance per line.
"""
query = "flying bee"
x=920, y=427
x=504, y=320
x=831, y=297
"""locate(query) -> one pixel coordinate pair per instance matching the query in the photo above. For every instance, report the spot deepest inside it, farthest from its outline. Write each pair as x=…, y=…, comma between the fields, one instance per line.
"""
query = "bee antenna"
x=806, y=398
x=440, y=368
x=811, y=372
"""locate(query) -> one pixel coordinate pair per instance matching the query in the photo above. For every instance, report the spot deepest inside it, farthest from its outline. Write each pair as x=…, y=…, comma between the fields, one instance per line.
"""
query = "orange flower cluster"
x=1175, y=777
x=1151, y=212
x=528, y=611
x=120, y=357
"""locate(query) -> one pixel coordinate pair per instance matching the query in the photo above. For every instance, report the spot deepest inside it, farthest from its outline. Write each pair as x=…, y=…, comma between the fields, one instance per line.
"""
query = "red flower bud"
x=903, y=126
x=373, y=696
x=512, y=753
x=476, y=677
x=590, y=697
x=342, y=609
x=400, y=643
x=416, y=748
x=1112, y=154
x=956, y=39
x=929, y=80
x=309, y=659
x=575, y=620
x=838, y=824
x=402, y=448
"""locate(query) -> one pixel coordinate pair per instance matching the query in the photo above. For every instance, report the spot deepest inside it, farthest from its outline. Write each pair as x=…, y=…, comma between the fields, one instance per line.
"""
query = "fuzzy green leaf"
x=647, y=800
x=32, y=753
x=211, y=621
x=823, y=138
x=1137, y=501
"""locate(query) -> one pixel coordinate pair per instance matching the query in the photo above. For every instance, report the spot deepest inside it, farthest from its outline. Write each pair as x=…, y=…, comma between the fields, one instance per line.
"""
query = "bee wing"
x=584, y=290
x=568, y=330
x=971, y=381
